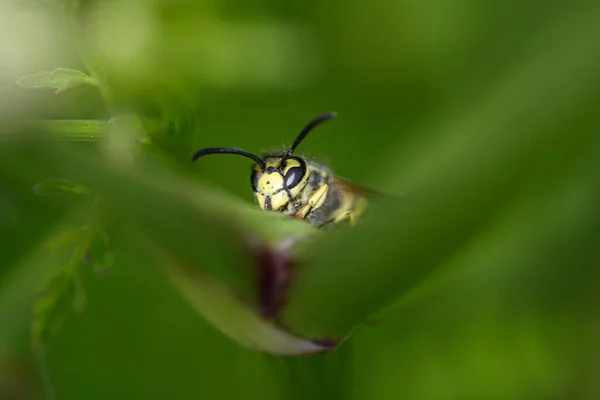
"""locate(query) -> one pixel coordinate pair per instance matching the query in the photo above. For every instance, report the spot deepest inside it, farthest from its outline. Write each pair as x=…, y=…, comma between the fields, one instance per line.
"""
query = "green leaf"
x=454, y=186
x=474, y=165
x=55, y=303
x=59, y=79
x=212, y=239
x=65, y=291
x=57, y=186
x=242, y=323
x=64, y=238
x=99, y=253
x=20, y=288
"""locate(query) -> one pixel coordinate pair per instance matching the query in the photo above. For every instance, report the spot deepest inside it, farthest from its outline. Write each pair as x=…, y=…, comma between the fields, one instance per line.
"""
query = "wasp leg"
x=315, y=200
x=356, y=211
x=348, y=214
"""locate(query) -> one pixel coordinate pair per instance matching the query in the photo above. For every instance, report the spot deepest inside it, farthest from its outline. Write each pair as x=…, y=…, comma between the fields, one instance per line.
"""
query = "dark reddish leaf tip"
x=275, y=269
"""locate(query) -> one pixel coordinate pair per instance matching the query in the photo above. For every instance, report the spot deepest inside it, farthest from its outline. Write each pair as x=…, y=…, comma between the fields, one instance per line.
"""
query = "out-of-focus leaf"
x=99, y=253
x=219, y=305
x=543, y=226
x=65, y=238
x=20, y=287
x=59, y=79
x=64, y=291
x=168, y=114
x=456, y=184
x=57, y=186
x=26, y=220
x=122, y=143
x=63, y=295
x=204, y=232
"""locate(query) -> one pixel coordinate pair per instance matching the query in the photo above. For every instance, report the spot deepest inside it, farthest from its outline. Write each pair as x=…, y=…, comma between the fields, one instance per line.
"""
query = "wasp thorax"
x=279, y=181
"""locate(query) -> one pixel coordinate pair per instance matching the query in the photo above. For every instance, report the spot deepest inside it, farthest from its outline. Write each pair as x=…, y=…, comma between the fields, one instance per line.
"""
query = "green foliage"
x=59, y=79
x=51, y=187
x=479, y=281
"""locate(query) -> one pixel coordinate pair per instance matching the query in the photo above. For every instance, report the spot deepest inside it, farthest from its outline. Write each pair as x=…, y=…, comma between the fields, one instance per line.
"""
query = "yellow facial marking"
x=279, y=200
x=261, y=199
x=270, y=183
x=290, y=163
x=274, y=202
x=278, y=183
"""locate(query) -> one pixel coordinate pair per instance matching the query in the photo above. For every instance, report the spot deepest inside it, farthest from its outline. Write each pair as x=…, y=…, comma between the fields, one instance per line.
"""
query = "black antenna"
x=228, y=150
x=309, y=127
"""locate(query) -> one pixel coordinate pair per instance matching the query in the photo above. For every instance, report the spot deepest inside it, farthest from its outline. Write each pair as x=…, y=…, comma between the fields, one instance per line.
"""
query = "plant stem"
x=83, y=130
x=42, y=364
x=328, y=375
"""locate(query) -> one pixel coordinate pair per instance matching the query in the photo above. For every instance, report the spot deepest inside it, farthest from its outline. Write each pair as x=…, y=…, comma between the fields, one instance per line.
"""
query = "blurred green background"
x=484, y=114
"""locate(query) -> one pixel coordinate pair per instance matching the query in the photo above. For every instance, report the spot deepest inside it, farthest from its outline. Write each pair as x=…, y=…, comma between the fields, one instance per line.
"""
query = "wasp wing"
x=358, y=190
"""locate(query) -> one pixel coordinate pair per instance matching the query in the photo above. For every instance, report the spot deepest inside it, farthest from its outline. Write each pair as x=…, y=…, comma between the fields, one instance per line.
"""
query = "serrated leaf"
x=64, y=238
x=99, y=255
x=58, y=299
x=65, y=292
x=59, y=79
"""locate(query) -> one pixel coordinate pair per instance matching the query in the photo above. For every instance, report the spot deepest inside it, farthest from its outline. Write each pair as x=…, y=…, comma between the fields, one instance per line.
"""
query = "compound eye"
x=254, y=180
x=293, y=177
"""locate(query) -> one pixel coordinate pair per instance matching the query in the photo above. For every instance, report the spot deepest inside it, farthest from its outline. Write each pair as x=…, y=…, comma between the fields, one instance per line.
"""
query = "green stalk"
x=88, y=130
x=329, y=376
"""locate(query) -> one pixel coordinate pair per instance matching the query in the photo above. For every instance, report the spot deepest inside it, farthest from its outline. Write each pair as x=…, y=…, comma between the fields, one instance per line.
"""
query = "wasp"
x=298, y=187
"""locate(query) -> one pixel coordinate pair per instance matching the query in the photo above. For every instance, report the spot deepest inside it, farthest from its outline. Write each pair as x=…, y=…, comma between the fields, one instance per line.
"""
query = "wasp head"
x=279, y=181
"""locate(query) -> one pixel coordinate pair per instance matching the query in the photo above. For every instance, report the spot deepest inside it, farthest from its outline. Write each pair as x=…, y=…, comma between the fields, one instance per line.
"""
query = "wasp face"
x=278, y=182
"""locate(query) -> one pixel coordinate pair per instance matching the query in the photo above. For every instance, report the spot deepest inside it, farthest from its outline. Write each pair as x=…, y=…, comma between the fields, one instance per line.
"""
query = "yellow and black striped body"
x=303, y=189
